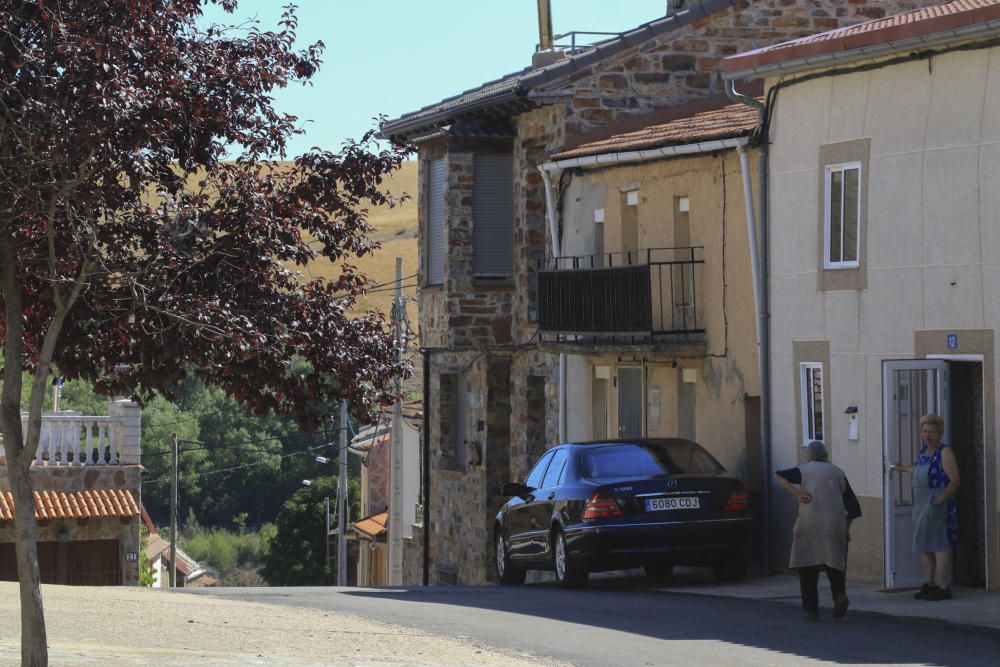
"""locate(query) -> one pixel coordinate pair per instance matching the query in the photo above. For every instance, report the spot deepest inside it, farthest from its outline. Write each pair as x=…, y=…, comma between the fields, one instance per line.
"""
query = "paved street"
x=625, y=622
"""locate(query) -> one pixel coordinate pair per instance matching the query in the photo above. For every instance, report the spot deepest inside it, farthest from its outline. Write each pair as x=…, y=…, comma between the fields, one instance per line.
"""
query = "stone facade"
x=468, y=327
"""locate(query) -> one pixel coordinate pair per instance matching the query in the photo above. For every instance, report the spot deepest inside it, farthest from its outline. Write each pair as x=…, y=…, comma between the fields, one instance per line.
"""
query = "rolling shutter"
x=435, y=223
x=493, y=215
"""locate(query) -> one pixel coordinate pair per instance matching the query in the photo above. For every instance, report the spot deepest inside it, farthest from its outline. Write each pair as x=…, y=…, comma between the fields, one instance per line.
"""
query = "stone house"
x=86, y=477
x=883, y=171
x=494, y=402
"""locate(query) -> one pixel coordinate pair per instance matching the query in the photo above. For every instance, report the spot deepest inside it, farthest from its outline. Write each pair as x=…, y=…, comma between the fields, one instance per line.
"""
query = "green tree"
x=297, y=551
x=146, y=571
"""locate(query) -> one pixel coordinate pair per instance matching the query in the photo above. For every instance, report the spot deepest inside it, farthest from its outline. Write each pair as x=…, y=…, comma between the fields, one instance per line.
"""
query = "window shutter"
x=493, y=215
x=435, y=223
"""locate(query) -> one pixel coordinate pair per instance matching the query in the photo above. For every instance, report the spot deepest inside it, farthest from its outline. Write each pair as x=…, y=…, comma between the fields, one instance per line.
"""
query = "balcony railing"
x=79, y=440
x=641, y=294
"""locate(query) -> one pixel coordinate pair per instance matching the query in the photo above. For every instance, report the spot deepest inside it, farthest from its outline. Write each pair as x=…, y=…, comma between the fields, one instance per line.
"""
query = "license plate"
x=680, y=503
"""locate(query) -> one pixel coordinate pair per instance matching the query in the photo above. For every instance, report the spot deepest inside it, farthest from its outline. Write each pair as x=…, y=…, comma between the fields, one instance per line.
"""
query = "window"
x=811, y=382
x=454, y=453
x=493, y=215
x=555, y=469
x=842, y=215
x=648, y=460
x=435, y=250
x=535, y=476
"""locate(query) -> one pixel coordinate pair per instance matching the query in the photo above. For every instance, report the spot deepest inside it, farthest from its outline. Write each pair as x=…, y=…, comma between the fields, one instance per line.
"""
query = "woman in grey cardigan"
x=827, y=506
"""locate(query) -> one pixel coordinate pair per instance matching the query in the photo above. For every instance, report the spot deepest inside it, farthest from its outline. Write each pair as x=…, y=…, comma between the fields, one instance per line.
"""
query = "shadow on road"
x=631, y=604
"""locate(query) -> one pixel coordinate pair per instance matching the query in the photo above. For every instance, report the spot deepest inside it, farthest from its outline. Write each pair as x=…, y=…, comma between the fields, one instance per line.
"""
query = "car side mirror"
x=515, y=489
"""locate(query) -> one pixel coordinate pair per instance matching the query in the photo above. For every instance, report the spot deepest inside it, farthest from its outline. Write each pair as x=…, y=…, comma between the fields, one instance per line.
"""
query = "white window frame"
x=827, y=222
x=807, y=372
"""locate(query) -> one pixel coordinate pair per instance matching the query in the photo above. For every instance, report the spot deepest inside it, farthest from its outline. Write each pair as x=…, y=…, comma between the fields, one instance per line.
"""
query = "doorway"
x=952, y=389
x=630, y=402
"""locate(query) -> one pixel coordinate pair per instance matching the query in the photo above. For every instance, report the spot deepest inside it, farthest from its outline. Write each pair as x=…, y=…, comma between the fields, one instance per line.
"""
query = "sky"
x=395, y=56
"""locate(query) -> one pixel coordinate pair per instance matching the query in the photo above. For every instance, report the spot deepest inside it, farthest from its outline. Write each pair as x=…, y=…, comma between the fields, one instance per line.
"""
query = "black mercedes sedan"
x=651, y=503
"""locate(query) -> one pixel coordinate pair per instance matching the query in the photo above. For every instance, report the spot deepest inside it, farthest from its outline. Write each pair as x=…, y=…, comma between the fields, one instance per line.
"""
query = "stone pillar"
x=130, y=415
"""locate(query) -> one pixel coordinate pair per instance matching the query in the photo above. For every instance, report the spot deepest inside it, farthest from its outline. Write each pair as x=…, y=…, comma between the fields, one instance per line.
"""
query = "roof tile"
x=917, y=23
x=733, y=120
x=74, y=505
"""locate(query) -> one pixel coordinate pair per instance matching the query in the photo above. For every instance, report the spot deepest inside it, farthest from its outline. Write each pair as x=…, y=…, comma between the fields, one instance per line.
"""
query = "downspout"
x=426, y=456
x=761, y=293
x=550, y=212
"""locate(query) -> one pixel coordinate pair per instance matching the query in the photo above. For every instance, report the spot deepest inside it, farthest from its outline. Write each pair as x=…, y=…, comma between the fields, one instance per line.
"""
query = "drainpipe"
x=551, y=214
x=426, y=428
x=763, y=309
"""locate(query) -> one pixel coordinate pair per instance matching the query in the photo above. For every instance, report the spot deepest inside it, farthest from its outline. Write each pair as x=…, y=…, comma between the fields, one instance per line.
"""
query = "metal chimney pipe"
x=544, y=24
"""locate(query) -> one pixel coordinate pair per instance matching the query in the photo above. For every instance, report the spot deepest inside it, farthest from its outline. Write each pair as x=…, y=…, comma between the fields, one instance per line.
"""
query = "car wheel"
x=731, y=568
x=506, y=573
x=658, y=571
x=569, y=573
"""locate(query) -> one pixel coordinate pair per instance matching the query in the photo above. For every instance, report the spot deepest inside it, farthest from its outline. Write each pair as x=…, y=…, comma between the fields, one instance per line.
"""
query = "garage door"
x=85, y=563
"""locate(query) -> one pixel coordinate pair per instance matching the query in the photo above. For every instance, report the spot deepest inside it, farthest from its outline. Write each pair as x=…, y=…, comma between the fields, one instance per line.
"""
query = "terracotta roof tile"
x=74, y=505
x=373, y=526
x=916, y=23
x=733, y=120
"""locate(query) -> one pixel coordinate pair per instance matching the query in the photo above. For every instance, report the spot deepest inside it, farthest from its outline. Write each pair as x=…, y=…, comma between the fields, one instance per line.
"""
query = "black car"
x=612, y=505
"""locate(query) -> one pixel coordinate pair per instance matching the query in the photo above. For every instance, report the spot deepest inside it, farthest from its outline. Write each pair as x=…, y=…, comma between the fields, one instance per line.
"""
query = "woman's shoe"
x=840, y=605
x=938, y=593
x=922, y=593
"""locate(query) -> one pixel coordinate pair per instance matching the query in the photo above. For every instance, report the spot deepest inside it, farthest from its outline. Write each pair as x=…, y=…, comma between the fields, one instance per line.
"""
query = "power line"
x=246, y=465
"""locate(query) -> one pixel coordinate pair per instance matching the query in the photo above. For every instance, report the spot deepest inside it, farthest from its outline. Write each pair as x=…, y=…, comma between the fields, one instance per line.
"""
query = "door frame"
x=888, y=524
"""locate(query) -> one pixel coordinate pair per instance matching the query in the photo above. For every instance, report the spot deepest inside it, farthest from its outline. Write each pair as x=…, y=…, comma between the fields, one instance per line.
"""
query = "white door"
x=910, y=389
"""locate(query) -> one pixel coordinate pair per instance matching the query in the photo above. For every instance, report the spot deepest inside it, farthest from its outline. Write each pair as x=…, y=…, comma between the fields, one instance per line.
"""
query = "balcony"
x=644, y=298
x=69, y=439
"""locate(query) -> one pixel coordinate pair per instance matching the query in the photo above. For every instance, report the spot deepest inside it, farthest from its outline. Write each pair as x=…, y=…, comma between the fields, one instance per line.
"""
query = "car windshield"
x=647, y=460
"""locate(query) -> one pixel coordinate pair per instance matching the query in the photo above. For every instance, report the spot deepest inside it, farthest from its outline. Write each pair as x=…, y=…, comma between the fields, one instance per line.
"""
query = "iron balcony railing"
x=639, y=293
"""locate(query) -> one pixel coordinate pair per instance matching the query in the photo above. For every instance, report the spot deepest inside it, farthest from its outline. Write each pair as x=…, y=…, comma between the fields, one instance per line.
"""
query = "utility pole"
x=326, y=531
x=342, y=499
x=396, y=446
x=173, y=515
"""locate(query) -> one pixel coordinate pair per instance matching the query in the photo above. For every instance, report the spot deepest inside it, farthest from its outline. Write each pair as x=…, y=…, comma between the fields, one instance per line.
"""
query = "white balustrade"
x=78, y=440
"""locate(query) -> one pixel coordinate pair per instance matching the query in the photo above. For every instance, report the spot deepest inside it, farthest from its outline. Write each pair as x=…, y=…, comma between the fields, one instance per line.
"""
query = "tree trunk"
x=34, y=647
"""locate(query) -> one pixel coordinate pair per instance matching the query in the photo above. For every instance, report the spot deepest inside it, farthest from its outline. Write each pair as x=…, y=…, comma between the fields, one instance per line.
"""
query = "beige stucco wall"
x=933, y=245
x=727, y=371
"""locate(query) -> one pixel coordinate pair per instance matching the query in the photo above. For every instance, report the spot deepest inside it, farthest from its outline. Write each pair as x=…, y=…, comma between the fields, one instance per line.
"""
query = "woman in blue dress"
x=935, y=480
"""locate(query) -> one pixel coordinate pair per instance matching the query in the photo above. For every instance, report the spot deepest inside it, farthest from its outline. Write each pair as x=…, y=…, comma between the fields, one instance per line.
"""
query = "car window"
x=647, y=460
x=534, y=479
x=555, y=469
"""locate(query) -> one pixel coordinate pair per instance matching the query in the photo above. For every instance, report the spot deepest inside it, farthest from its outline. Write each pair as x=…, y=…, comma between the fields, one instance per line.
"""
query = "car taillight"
x=738, y=501
x=601, y=506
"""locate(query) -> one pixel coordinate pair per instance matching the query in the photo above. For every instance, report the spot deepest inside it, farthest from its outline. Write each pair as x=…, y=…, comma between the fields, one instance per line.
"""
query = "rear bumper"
x=622, y=545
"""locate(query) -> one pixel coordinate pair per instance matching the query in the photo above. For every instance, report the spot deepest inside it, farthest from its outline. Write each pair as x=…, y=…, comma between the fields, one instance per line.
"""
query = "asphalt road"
x=624, y=622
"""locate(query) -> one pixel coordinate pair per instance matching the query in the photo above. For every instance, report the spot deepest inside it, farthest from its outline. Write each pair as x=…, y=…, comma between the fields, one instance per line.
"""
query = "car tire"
x=569, y=572
x=732, y=568
x=507, y=574
x=658, y=571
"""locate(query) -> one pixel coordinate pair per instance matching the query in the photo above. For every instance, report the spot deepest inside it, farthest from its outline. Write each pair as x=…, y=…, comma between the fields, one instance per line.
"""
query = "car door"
x=544, y=505
x=519, y=525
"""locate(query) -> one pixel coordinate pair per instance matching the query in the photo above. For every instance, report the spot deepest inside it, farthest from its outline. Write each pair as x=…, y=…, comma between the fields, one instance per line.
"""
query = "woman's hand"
x=804, y=498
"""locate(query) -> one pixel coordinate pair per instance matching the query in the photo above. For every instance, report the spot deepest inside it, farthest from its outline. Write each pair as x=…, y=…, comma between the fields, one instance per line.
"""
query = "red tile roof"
x=373, y=526
x=733, y=120
x=917, y=23
x=75, y=505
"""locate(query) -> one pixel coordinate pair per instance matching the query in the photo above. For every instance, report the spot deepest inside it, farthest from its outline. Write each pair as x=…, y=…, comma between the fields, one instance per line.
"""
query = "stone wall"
x=684, y=64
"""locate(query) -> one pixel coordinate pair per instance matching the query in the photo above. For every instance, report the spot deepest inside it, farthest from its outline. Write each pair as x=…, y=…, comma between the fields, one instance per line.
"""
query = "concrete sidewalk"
x=968, y=607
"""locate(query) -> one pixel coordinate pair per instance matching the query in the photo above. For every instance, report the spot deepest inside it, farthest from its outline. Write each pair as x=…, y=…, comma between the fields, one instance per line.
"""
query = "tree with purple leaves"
x=126, y=242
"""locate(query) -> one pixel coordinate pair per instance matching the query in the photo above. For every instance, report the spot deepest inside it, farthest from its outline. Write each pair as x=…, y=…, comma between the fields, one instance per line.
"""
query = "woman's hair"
x=816, y=451
x=933, y=420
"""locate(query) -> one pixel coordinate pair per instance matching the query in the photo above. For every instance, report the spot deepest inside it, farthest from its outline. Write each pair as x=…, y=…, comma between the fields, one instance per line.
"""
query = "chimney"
x=546, y=53
x=674, y=6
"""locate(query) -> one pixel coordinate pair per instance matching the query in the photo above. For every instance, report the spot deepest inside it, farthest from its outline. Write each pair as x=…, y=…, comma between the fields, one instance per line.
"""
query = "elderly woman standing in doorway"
x=827, y=506
x=935, y=480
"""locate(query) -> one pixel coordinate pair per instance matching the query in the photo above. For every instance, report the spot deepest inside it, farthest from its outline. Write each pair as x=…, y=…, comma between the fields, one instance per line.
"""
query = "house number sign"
x=131, y=556
x=952, y=341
